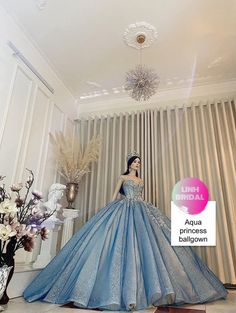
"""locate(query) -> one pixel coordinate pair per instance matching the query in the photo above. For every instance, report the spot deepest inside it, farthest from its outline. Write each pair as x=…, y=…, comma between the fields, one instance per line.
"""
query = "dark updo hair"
x=130, y=161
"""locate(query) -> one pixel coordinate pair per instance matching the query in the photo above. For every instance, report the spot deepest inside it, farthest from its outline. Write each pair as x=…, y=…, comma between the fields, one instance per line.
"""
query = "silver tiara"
x=132, y=154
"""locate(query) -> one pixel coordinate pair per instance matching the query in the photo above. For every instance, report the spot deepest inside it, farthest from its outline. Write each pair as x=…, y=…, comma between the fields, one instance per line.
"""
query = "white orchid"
x=7, y=207
x=6, y=232
x=16, y=187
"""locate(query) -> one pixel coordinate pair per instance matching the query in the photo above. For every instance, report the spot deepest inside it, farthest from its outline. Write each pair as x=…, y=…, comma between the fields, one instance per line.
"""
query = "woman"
x=122, y=259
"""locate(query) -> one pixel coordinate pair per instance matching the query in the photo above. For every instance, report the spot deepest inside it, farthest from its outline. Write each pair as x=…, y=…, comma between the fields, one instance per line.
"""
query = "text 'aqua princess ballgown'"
x=122, y=259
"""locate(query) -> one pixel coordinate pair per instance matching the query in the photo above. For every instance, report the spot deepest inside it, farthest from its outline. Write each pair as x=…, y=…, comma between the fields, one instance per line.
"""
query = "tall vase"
x=71, y=193
x=4, y=274
x=8, y=260
x=5, y=299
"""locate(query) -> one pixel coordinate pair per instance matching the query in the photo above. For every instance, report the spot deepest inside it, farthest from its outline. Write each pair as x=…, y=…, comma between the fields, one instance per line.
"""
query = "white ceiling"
x=83, y=40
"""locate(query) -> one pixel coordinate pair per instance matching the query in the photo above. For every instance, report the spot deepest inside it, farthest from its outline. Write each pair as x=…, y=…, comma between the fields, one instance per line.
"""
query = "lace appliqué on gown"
x=157, y=217
x=133, y=192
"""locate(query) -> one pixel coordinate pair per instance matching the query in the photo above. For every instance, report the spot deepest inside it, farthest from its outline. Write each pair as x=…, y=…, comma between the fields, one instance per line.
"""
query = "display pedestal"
x=68, y=226
x=48, y=247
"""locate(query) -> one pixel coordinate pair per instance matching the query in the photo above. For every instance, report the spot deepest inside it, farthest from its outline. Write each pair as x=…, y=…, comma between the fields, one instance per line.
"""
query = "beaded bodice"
x=132, y=189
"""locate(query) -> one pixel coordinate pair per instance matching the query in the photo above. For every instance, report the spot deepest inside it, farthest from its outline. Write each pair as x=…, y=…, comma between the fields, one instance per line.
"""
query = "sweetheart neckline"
x=141, y=182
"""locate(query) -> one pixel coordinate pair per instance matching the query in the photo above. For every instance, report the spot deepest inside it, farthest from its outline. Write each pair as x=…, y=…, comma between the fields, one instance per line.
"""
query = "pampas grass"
x=73, y=163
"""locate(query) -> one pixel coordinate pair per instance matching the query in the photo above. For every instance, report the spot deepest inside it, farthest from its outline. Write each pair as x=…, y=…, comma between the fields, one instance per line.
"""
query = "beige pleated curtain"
x=174, y=143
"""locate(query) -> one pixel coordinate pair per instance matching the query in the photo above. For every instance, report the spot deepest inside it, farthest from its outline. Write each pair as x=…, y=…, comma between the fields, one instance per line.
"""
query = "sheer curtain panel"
x=197, y=140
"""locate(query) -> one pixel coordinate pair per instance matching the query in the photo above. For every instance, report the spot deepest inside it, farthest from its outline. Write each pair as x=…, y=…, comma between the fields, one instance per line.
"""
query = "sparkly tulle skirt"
x=122, y=259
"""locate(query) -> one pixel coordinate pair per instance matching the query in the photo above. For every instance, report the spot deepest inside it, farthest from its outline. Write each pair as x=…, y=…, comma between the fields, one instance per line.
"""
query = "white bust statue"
x=55, y=194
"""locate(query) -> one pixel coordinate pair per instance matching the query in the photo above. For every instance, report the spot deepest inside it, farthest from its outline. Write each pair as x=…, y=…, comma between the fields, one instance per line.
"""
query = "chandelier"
x=141, y=82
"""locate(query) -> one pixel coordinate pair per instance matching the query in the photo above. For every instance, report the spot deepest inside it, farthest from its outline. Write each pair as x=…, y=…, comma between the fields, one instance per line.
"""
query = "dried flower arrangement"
x=72, y=162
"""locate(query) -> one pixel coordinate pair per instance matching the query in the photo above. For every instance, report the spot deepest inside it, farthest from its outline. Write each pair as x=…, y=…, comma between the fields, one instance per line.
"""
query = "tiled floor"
x=18, y=305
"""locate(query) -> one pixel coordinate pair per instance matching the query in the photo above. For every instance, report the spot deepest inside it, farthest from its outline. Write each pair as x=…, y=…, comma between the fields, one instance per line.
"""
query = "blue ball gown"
x=122, y=259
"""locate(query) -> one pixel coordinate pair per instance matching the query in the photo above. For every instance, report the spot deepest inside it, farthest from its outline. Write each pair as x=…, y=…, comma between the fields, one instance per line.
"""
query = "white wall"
x=28, y=112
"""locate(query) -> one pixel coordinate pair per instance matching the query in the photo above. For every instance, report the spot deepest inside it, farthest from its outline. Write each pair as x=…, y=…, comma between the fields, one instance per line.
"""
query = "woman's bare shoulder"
x=122, y=177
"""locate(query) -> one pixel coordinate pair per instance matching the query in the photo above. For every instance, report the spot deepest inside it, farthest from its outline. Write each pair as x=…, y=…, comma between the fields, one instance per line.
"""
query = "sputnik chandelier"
x=141, y=82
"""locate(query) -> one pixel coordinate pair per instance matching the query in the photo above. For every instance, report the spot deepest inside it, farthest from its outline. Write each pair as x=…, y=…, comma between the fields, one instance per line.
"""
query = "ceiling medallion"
x=141, y=82
x=41, y=4
x=139, y=29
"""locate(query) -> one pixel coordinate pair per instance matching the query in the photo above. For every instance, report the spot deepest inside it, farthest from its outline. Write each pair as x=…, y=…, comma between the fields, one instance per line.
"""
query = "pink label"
x=190, y=195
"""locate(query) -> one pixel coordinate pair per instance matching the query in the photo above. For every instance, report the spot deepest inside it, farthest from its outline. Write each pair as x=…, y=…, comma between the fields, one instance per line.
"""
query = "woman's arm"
x=117, y=189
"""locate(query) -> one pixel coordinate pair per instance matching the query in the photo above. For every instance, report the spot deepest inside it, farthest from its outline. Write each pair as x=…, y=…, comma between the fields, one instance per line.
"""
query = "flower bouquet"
x=21, y=221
